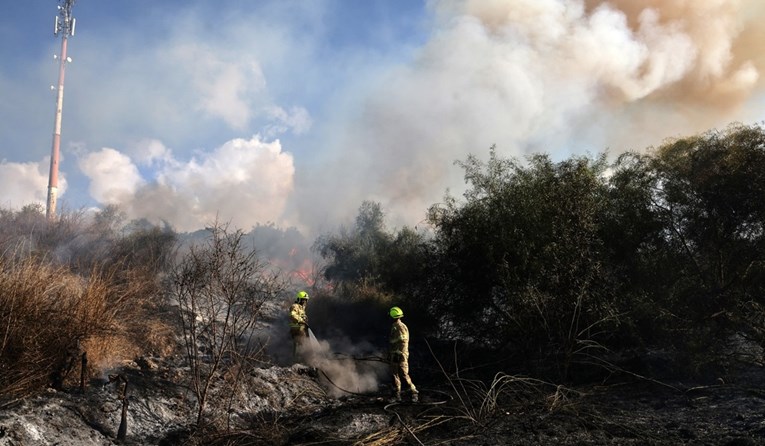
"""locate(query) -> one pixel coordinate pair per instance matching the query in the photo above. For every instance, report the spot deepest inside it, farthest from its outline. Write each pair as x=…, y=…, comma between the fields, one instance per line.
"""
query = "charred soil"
x=293, y=406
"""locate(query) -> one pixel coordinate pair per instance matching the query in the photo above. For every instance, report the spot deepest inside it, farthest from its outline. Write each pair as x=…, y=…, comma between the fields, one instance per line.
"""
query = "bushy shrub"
x=576, y=260
x=51, y=316
x=68, y=288
x=220, y=286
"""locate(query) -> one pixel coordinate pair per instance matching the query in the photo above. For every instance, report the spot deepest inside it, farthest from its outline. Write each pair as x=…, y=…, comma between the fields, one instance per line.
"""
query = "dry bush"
x=368, y=291
x=49, y=316
x=156, y=336
x=105, y=352
x=220, y=286
x=27, y=232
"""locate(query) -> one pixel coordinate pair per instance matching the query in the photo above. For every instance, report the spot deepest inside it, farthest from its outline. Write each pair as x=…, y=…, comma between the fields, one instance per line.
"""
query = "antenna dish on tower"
x=64, y=22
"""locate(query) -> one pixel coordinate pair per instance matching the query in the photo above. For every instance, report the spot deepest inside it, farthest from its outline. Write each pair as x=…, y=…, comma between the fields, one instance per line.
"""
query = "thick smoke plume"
x=552, y=76
x=556, y=76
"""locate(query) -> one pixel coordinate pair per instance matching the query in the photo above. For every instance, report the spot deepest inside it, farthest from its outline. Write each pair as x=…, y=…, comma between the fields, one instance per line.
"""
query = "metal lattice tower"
x=63, y=26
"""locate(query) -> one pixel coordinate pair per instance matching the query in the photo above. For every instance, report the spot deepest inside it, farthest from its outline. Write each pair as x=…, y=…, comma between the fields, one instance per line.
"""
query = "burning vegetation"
x=529, y=299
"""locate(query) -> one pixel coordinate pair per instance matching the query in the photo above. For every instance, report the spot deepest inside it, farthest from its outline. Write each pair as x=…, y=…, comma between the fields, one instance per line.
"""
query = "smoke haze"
x=333, y=356
x=344, y=374
x=554, y=76
x=272, y=114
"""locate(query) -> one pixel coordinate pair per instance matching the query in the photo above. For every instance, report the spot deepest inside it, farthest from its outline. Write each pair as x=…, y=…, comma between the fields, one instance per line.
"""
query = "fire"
x=305, y=273
x=298, y=264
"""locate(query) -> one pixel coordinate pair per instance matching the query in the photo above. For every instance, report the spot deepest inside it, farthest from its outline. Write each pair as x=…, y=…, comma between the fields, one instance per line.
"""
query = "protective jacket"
x=399, y=341
x=399, y=359
x=298, y=318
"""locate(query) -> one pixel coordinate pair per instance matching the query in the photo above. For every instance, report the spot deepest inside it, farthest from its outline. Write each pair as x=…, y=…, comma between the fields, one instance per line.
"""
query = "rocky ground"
x=294, y=406
x=634, y=412
x=282, y=404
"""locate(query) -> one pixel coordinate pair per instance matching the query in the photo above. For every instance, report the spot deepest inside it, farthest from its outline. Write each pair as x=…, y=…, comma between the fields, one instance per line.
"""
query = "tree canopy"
x=661, y=249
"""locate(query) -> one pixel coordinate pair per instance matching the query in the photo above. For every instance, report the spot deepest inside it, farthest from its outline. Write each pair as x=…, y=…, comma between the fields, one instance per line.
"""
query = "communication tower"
x=63, y=26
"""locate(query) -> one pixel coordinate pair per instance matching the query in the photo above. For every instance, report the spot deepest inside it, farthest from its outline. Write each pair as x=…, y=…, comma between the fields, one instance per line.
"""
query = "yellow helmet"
x=302, y=295
x=396, y=313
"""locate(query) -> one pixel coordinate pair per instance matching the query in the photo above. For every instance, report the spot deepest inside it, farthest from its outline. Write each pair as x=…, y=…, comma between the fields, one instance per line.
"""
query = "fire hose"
x=343, y=356
x=390, y=407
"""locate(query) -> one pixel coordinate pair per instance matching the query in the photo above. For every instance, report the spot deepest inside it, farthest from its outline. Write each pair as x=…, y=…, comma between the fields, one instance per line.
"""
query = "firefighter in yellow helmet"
x=399, y=355
x=299, y=323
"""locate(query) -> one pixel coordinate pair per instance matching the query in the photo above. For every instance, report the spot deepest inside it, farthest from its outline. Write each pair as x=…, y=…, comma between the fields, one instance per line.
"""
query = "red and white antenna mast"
x=64, y=26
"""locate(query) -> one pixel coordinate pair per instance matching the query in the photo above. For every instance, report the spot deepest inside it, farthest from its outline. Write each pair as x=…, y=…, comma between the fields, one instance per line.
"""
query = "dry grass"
x=403, y=432
x=50, y=316
x=478, y=401
x=74, y=285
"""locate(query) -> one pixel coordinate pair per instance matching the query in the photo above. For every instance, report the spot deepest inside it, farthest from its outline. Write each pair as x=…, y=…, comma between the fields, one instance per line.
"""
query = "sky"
x=293, y=112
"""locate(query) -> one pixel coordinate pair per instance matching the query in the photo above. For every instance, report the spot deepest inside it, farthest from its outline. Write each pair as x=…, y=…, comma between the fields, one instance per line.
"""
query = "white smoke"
x=345, y=375
x=345, y=364
x=553, y=76
x=224, y=84
x=150, y=151
x=296, y=119
x=25, y=183
x=556, y=76
x=243, y=182
x=114, y=177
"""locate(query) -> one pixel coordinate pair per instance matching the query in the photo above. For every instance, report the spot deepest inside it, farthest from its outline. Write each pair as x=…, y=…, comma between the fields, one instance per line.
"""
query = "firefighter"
x=399, y=355
x=299, y=323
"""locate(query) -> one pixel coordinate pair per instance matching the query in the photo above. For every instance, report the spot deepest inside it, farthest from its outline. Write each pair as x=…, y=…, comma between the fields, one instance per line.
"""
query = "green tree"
x=708, y=195
x=356, y=254
x=521, y=259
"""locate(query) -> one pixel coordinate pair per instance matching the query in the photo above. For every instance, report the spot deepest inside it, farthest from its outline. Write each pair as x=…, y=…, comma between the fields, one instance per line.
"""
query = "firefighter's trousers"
x=400, y=369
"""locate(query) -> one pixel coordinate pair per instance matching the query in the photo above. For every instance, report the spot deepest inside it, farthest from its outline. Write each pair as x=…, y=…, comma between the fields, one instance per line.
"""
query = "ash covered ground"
x=341, y=401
